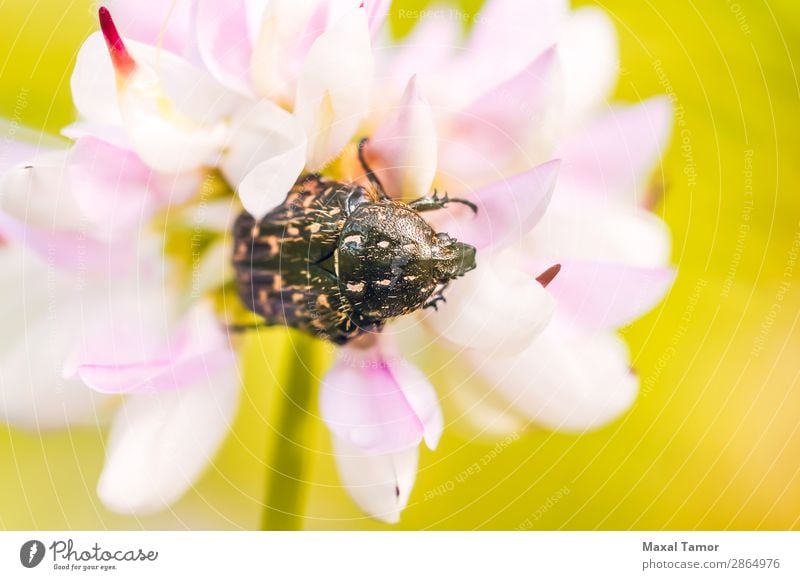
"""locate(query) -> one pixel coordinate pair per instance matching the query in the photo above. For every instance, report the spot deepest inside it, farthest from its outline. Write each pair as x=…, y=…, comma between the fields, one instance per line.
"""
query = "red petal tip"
x=120, y=57
x=547, y=276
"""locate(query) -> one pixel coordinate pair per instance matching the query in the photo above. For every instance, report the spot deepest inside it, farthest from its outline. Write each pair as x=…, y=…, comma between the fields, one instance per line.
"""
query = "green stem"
x=287, y=457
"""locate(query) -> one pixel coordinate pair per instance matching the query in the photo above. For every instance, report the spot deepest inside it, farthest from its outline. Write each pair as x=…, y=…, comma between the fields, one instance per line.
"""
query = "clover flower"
x=514, y=120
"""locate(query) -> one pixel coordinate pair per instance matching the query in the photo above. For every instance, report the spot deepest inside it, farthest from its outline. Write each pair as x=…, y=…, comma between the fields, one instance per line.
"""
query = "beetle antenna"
x=373, y=179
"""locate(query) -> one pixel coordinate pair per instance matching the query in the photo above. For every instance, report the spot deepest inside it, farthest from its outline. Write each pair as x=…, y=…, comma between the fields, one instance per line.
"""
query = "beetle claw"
x=435, y=201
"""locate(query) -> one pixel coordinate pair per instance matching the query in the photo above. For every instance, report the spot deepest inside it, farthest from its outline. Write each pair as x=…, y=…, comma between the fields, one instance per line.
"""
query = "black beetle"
x=337, y=260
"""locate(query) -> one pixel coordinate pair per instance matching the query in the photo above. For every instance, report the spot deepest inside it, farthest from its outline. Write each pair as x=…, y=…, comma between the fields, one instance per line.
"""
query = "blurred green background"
x=711, y=443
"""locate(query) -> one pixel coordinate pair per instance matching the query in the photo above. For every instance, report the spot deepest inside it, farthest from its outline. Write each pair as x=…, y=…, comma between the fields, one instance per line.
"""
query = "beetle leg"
x=241, y=328
x=373, y=179
x=434, y=202
x=436, y=297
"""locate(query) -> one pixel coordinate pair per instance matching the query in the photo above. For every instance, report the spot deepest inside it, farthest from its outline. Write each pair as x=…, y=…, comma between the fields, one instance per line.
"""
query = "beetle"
x=338, y=260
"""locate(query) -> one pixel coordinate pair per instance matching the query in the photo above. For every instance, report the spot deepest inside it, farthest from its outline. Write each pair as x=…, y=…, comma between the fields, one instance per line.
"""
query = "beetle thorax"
x=384, y=261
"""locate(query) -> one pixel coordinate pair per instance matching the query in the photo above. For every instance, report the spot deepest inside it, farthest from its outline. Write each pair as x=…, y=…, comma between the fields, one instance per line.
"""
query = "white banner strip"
x=401, y=555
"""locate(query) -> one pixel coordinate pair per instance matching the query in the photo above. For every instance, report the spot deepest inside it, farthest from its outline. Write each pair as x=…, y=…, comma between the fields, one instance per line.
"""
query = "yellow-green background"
x=711, y=443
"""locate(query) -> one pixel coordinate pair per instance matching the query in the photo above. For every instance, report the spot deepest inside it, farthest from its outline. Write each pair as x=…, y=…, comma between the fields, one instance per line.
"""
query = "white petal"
x=485, y=413
x=22, y=144
x=214, y=269
x=41, y=312
x=218, y=215
x=160, y=443
x=577, y=228
x=95, y=188
x=333, y=92
x=283, y=40
x=94, y=88
x=589, y=62
x=404, y=150
x=167, y=142
x=572, y=383
x=173, y=113
x=113, y=134
x=493, y=308
x=264, y=156
x=379, y=484
x=473, y=411
x=40, y=193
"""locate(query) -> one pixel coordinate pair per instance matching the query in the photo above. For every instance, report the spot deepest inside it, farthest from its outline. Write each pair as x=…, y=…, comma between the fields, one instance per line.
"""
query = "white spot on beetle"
x=353, y=239
x=385, y=282
x=355, y=287
x=384, y=244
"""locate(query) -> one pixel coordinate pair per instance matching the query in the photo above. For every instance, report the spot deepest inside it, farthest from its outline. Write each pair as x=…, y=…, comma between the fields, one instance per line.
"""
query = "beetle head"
x=451, y=257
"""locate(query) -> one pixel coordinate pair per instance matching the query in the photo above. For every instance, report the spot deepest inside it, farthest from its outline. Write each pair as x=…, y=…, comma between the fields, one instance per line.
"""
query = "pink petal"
x=507, y=210
x=506, y=36
x=527, y=102
x=224, y=42
x=70, y=250
x=154, y=374
x=420, y=396
x=424, y=53
x=129, y=323
x=198, y=349
x=617, y=151
x=403, y=151
x=516, y=122
x=156, y=22
x=94, y=190
x=364, y=403
x=596, y=295
x=316, y=25
x=113, y=187
x=377, y=10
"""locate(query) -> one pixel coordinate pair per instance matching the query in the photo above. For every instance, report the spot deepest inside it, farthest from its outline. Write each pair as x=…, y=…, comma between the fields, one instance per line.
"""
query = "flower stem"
x=286, y=456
